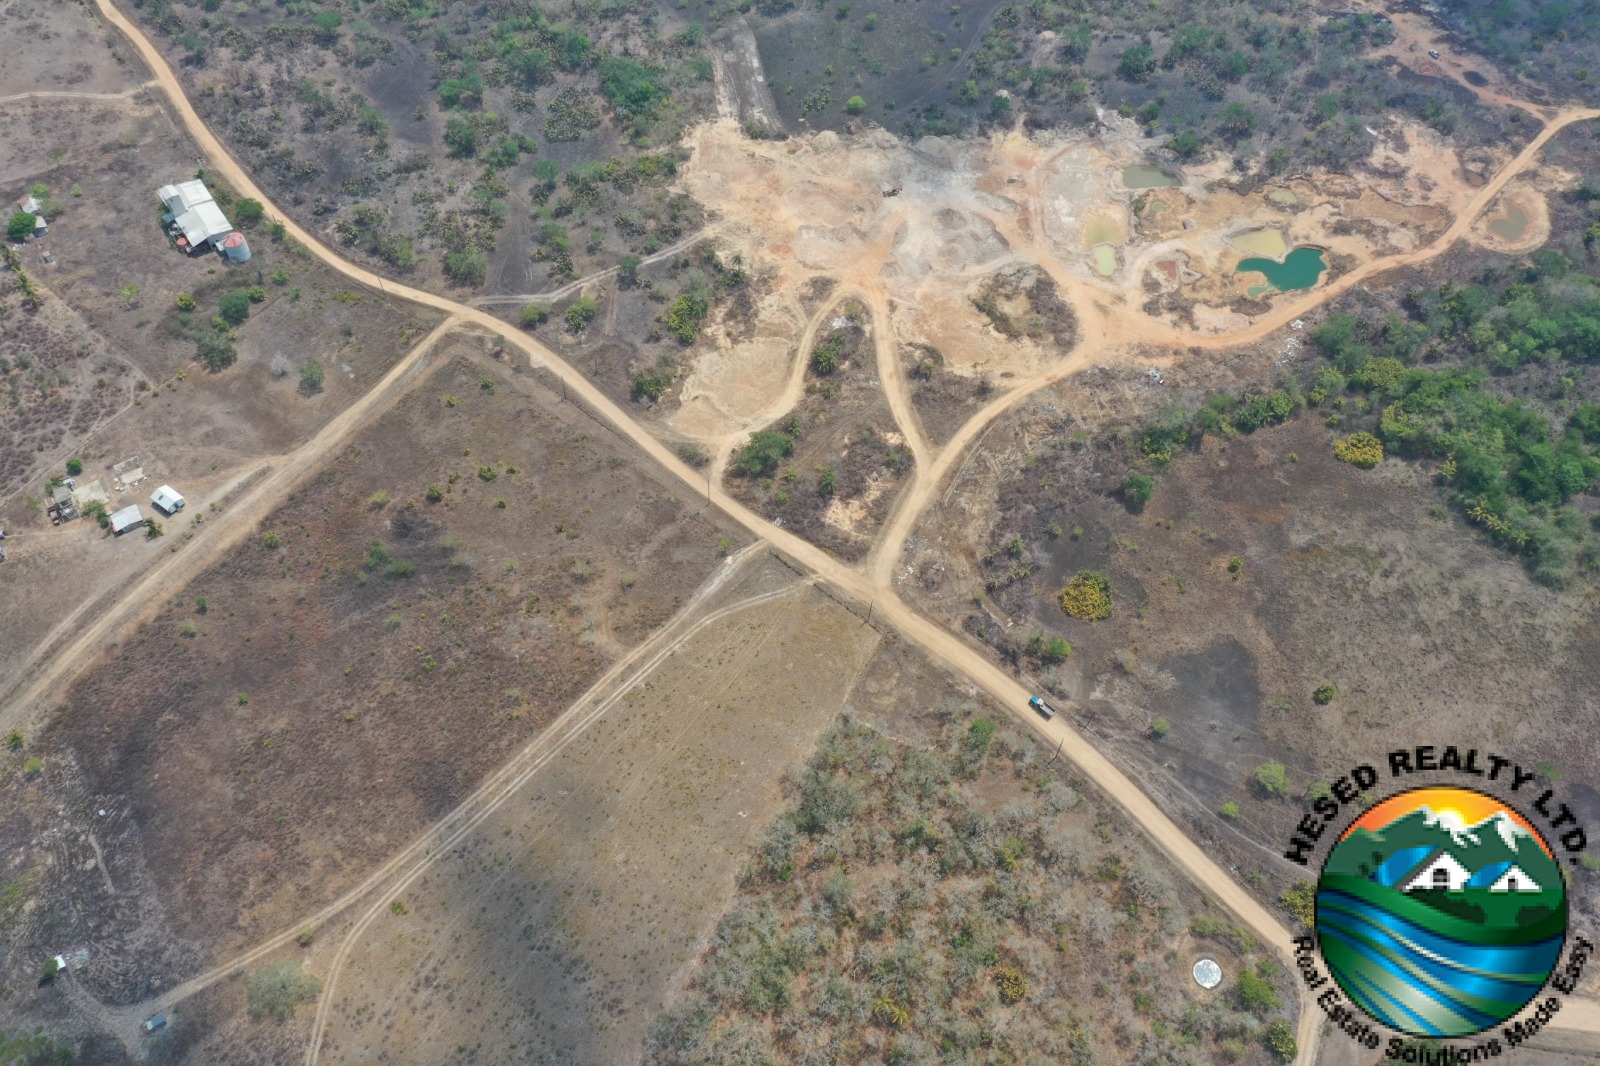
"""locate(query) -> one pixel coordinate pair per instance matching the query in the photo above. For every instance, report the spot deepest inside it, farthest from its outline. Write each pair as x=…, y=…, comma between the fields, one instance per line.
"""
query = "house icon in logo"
x=1443, y=871
x=1441, y=912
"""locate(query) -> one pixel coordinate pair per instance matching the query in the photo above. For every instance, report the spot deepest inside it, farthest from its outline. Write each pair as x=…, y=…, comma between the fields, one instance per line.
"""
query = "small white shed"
x=126, y=519
x=167, y=499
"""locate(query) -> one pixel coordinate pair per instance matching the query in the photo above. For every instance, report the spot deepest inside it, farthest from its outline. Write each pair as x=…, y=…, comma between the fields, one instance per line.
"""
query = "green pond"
x=1511, y=225
x=1300, y=269
x=1144, y=176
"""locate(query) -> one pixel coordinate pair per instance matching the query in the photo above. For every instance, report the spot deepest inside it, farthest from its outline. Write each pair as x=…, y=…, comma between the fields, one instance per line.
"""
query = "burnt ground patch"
x=840, y=433
x=407, y=619
x=1362, y=580
x=943, y=401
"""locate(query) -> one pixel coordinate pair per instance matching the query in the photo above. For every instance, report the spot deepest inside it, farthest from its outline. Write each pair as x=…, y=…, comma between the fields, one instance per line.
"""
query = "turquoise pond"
x=1300, y=269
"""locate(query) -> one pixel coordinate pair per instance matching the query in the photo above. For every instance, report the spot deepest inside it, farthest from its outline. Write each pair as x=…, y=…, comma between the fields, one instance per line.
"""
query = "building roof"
x=184, y=195
x=28, y=204
x=166, y=498
x=203, y=222
x=126, y=518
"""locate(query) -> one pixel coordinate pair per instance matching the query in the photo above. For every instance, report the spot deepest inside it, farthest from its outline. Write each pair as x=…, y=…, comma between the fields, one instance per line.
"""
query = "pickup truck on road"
x=1046, y=711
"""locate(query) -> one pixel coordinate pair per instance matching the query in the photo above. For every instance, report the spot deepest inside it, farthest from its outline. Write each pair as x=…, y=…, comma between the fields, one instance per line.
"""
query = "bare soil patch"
x=65, y=49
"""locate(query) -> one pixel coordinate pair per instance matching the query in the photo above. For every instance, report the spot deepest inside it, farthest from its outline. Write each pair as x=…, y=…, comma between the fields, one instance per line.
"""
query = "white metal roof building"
x=126, y=519
x=184, y=195
x=167, y=498
x=195, y=212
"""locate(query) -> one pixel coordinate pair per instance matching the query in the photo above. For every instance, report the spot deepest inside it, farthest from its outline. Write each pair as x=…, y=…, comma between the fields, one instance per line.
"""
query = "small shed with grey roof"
x=126, y=519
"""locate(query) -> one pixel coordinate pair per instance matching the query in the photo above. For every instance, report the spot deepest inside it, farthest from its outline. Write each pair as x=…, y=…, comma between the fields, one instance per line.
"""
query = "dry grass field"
x=558, y=929
x=415, y=613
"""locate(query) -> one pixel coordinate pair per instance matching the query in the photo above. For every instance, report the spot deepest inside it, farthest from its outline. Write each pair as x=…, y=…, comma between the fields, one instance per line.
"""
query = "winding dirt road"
x=870, y=584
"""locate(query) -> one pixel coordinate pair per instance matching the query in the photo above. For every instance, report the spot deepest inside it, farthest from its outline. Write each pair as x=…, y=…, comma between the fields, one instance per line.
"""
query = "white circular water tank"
x=1207, y=974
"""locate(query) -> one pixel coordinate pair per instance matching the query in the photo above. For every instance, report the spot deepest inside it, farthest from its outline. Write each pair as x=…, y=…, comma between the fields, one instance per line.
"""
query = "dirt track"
x=870, y=586
x=57, y=95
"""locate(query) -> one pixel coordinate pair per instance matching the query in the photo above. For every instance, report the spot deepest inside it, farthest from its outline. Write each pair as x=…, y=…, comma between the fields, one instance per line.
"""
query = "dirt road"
x=872, y=585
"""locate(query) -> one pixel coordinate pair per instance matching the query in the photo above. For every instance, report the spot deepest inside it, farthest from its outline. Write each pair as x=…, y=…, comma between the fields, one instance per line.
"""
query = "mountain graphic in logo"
x=1440, y=912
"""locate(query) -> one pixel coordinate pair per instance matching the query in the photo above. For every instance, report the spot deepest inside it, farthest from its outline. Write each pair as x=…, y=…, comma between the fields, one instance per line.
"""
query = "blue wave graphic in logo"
x=1421, y=980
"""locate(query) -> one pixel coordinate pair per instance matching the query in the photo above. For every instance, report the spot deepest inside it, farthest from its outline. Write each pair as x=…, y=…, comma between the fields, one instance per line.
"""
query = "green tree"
x=581, y=312
x=1237, y=119
x=461, y=137
x=1138, y=488
x=633, y=89
x=685, y=315
x=465, y=91
x=827, y=480
x=1160, y=728
x=628, y=270
x=1185, y=144
x=1136, y=63
x=762, y=453
x=277, y=988
x=1273, y=777
x=249, y=211
x=129, y=294
x=1054, y=650
x=466, y=267
x=311, y=375
x=1300, y=901
x=534, y=314
x=1255, y=993
x=855, y=105
x=20, y=228
x=1279, y=1036
x=215, y=351
x=234, y=306
x=74, y=467
x=1324, y=694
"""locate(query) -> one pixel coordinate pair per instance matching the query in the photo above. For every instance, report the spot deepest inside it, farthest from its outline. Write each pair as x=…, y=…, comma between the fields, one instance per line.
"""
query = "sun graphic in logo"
x=1441, y=912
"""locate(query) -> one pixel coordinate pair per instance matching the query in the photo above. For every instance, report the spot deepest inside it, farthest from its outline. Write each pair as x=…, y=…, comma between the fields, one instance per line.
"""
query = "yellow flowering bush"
x=1087, y=596
x=1013, y=986
x=1359, y=449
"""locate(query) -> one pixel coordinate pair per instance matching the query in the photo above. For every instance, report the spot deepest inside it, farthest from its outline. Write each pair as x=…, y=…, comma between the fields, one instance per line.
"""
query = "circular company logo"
x=1441, y=912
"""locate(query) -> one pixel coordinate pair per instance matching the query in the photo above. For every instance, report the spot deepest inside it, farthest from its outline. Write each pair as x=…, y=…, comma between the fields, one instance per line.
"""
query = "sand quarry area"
x=1144, y=249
